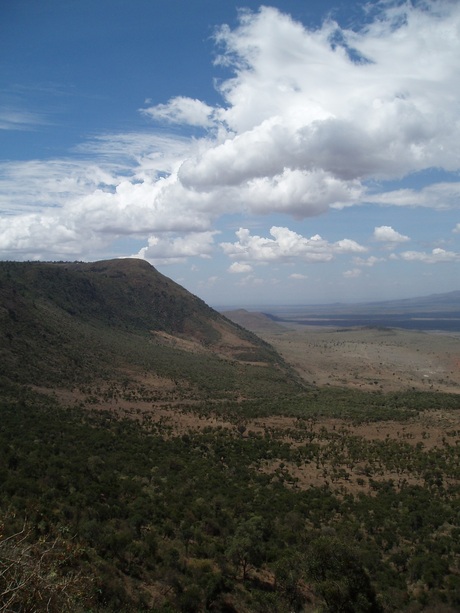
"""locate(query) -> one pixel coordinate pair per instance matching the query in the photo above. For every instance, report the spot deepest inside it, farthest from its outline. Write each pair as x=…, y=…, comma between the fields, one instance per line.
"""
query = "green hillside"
x=64, y=323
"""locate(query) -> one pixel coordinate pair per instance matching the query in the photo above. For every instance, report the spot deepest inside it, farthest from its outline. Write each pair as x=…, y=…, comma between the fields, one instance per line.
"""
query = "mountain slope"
x=63, y=323
x=259, y=323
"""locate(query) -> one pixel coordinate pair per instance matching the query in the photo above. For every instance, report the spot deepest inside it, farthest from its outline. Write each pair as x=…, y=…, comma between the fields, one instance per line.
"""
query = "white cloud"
x=38, y=185
x=378, y=118
x=172, y=249
x=137, y=153
x=240, y=267
x=295, y=192
x=41, y=236
x=440, y=196
x=182, y=110
x=370, y=261
x=302, y=126
x=298, y=276
x=457, y=229
x=346, y=245
x=388, y=235
x=436, y=256
x=16, y=119
x=353, y=273
x=286, y=246
x=94, y=203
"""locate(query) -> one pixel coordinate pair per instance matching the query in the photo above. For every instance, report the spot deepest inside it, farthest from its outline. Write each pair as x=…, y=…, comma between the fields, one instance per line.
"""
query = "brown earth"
x=370, y=358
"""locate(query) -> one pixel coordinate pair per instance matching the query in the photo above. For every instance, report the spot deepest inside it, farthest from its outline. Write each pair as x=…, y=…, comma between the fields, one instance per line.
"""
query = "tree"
x=246, y=547
x=288, y=580
x=339, y=577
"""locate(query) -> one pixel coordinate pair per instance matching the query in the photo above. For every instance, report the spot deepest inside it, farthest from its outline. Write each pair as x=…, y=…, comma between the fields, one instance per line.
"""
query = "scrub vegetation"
x=156, y=465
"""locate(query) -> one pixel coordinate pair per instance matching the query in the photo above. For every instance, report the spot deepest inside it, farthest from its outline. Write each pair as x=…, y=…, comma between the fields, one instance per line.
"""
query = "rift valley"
x=157, y=456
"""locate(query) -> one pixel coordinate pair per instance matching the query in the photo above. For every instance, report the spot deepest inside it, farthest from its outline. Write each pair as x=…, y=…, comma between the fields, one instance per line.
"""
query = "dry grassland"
x=371, y=358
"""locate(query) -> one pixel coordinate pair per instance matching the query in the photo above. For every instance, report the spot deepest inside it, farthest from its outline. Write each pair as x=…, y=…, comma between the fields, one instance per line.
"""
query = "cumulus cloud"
x=91, y=222
x=436, y=256
x=285, y=246
x=308, y=118
x=388, y=235
x=182, y=110
x=173, y=249
x=378, y=117
x=295, y=192
x=457, y=229
x=240, y=267
x=41, y=236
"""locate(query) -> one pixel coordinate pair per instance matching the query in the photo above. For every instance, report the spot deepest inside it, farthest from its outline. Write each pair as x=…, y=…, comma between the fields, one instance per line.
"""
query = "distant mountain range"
x=432, y=312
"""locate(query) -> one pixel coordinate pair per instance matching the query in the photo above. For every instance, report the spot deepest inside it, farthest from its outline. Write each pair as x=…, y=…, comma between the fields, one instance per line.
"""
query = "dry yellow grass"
x=371, y=358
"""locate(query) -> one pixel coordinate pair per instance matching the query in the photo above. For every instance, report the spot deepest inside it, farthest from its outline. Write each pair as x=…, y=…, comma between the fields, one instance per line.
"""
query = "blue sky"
x=297, y=152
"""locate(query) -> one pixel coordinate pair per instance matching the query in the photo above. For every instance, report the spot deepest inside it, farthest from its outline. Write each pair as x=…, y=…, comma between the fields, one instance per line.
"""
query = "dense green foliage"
x=156, y=457
x=126, y=293
x=194, y=522
x=64, y=323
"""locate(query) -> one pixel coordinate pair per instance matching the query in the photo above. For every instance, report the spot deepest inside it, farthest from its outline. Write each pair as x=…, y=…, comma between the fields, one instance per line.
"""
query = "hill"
x=258, y=323
x=68, y=323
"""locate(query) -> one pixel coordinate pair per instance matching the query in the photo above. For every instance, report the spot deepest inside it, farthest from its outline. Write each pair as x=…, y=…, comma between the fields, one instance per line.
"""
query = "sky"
x=294, y=152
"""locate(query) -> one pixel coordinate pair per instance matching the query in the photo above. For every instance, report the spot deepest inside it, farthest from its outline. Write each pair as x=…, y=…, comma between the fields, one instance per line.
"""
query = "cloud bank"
x=308, y=120
x=286, y=245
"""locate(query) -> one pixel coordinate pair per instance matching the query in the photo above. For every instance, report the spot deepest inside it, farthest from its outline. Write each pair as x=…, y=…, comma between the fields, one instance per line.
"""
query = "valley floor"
x=371, y=358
